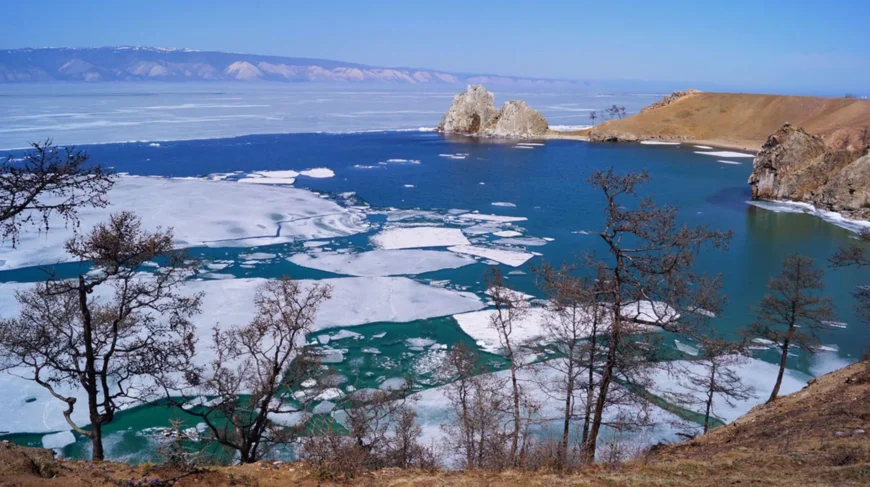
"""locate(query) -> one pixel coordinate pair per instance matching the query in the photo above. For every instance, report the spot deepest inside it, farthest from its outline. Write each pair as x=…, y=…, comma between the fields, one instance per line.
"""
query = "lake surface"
x=409, y=178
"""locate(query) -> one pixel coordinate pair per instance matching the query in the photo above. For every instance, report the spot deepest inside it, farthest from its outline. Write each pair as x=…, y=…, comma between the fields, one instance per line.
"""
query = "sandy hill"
x=740, y=120
x=815, y=437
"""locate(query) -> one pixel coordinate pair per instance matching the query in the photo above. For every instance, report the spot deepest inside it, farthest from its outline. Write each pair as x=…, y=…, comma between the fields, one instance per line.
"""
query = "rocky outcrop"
x=470, y=112
x=473, y=113
x=516, y=119
x=670, y=99
x=797, y=166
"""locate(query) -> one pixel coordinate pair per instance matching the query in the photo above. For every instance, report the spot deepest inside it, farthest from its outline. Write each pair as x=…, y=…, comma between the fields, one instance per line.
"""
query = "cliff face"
x=474, y=113
x=795, y=165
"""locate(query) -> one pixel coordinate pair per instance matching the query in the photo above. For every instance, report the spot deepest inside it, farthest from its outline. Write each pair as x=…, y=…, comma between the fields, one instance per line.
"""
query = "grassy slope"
x=744, y=121
x=808, y=438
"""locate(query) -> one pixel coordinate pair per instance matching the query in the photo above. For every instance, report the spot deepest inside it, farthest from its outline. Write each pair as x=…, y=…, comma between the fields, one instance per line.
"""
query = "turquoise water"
x=547, y=185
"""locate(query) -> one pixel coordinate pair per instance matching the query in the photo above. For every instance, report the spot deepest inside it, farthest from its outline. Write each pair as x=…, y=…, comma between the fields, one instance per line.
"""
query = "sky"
x=782, y=45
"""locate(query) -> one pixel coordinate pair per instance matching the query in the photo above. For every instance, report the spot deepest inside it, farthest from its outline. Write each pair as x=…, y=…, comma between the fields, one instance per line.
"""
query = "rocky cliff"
x=473, y=113
x=797, y=166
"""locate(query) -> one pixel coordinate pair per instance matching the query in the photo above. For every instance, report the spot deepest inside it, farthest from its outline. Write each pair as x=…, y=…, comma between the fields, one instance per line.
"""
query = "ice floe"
x=799, y=207
x=705, y=147
x=507, y=257
x=492, y=218
x=507, y=233
x=318, y=172
x=733, y=163
x=725, y=153
x=755, y=373
x=201, y=212
x=56, y=441
x=416, y=237
x=504, y=204
x=658, y=142
x=382, y=262
x=527, y=241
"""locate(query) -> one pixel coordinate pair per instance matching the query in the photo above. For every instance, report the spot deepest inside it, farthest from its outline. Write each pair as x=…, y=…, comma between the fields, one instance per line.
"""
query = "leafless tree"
x=711, y=375
x=645, y=277
x=615, y=112
x=857, y=256
x=254, y=367
x=510, y=308
x=593, y=116
x=792, y=312
x=109, y=330
x=573, y=326
x=480, y=405
x=48, y=181
x=865, y=139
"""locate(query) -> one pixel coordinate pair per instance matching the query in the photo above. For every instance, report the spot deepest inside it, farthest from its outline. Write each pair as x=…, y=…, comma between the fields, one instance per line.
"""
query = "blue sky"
x=786, y=45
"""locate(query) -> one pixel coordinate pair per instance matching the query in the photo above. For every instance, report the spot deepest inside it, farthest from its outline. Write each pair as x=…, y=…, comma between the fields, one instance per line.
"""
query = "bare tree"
x=573, y=326
x=480, y=405
x=646, y=277
x=857, y=256
x=254, y=367
x=713, y=375
x=48, y=181
x=615, y=112
x=108, y=330
x=593, y=116
x=510, y=308
x=792, y=312
x=865, y=139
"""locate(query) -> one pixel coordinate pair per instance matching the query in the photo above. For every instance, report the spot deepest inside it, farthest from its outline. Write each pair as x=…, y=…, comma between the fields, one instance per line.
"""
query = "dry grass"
x=810, y=438
x=744, y=121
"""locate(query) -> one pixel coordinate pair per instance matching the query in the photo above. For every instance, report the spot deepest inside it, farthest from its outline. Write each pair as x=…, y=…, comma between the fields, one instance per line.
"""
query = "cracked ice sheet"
x=355, y=301
x=415, y=237
x=507, y=257
x=201, y=212
x=754, y=372
x=383, y=262
x=433, y=409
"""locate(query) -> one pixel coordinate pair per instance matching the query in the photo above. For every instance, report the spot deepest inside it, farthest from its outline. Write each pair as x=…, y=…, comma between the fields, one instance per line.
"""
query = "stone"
x=797, y=166
x=470, y=112
x=517, y=119
x=473, y=113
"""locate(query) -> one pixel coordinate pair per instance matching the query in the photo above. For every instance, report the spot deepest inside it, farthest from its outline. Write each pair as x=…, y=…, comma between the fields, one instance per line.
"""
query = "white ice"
x=507, y=233
x=733, y=163
x=705, y=147
x=58, y=440
x=493, y=218
x=725, y=153
x=318, y=172
x=755, y=373
x=507, y=257
x=201, y=212
x=382, y=262
x=657, y=142
x=504, y=204
x=409, y=238
x=799, y=207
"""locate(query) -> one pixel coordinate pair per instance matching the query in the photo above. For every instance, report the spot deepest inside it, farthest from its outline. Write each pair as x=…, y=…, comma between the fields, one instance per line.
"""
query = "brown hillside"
x=814, y=437
x=741, y=120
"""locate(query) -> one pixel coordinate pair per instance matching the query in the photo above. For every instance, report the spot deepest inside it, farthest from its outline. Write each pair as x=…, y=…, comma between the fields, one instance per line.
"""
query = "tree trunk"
x=515, y=437
x=606, y=377
x=782, y=361
x=97, y=442
x=566, y=427
x=710, y=390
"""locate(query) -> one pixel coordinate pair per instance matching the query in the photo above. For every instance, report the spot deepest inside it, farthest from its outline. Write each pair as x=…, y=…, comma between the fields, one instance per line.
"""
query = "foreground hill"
x=161, y=64
x=741, y=121
x=814, y=437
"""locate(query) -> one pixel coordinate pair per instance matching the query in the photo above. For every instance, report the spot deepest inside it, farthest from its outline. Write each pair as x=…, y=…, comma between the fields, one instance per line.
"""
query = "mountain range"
x=129, y=63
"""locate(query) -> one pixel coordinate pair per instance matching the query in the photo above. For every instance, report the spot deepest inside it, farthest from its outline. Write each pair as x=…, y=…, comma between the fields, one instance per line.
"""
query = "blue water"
x=548, y=186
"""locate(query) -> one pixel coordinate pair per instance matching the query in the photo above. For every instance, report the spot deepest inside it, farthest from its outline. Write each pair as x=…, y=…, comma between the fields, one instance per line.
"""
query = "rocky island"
x=473, y=113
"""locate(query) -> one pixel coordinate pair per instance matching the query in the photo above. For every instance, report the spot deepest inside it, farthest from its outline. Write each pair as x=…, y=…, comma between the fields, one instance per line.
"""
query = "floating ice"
x=330, y=394
x=530, y=144
x=213, y=213
x=755, y=373
x=658, y=142
x=725, y=153
x=454, y=156
x=507, y=257
x=419, y=342
x=705, y=147
x=483, y=228
x=408, y=238
x=342, y=334
x=528, y=241
x=504, y=204
x=318, y=172
x=393, y=384
x=409, y=185
x=687, y=349
x=478, y=325
x=309, y=383
x=507, y=233
x=262, y=180
x=522, y=147
x=733, y=163
x=58, y=440
x=493, y=218
x=799, y=207
x=382, y=262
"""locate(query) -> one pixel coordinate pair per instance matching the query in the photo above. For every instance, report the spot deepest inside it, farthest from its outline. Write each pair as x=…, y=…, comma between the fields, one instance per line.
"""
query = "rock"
x=797, y=166
x=670, y=99
x=470, y=112
x=517, y=119
x=474, y=113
